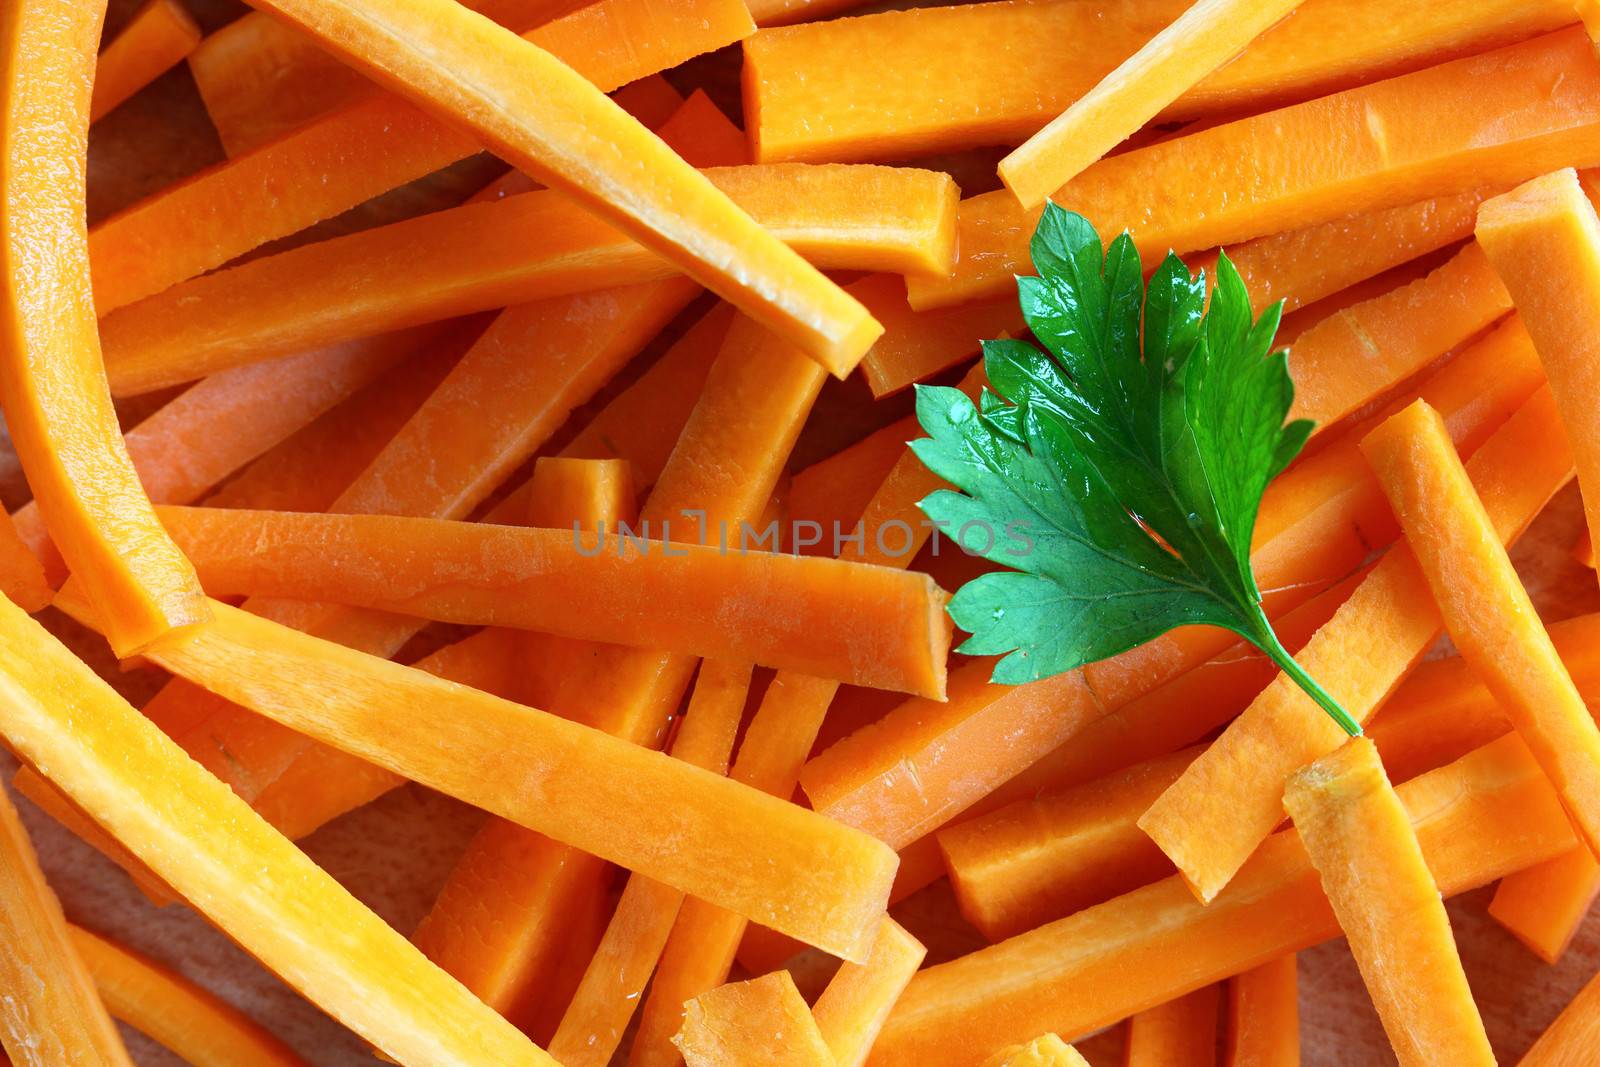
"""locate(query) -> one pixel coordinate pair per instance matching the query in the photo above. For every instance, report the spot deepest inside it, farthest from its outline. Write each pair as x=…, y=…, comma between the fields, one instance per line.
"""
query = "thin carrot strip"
x=195, y=834
x=56, y=804
x=1569, y=1041
x=1544, y=240
x=260, y=77
x=1483, y=120
x=592, y=1027
x=57, y=407
x=704, y=136
x=22, y=575
x=775, y=609
x=748, y=1024
x=1359, y=836
x=1264, y=1016
x=919, y=344
x=1483, y=816
x=1488, y=615
x=51, y=1013
x=160, y=35
x=366, y=148
x=1544, y=905
x=1198, y=43
x=1217, y=813
x=835, y=492
x=478, y=257
x=852, y=1009
x=1179, y=1033
x=199, y=1026
x=1046, y=1051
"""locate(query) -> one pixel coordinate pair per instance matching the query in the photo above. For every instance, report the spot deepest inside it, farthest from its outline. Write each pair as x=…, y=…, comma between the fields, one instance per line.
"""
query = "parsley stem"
x=1268, y=642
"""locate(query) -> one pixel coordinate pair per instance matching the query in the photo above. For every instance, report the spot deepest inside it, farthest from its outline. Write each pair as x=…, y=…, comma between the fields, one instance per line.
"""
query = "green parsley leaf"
x=1119, y=472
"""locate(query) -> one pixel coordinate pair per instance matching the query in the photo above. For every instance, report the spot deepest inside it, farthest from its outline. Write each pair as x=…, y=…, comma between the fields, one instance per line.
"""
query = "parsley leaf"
x=1119, y=472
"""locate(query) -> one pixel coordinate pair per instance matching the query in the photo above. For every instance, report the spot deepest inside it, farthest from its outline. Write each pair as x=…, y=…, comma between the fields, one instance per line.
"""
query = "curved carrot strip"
x=852, y=1009
x=205, y=1030
x=478, y=257
x=1401, y=140
x=744, y=1024
x=1264, y=1016
x=51, y=1013
x=1199, y=42
x=1179, y=1033
x=366, y=148
x=158, y=37
x=1359, y=835
x=57, y=406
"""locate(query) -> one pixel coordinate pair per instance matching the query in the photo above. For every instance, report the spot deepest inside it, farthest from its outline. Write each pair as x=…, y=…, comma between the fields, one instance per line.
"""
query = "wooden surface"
x=395, y=854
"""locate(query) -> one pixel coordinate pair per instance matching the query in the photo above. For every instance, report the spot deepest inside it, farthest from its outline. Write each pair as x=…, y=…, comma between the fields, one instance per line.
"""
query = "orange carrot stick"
x=1202, y=40
x=771, y=608
x=806, y=94
x=1569, y=1041
x=205, y=842
x=482, y=256
x=56, y=804
x=1264, y=1016
x=1405, y=139
x=160, y=35
x=747, y=1024
x=1216, y=814
x=1179, y=1033
x=1360, y=839
x=199, y=1026
x=592, y=1027
x=372, y=145
x=704, y=136
x=1544, y=240
x=22, y=574
x=1544, y=905
x=51, y=1013
x=1489, y=615
x=853, y=1007
x=834, y=492
x=57, y=407
x=1483, y=816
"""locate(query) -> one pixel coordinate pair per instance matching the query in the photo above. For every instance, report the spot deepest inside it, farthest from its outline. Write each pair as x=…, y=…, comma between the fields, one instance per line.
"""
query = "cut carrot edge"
x=1544, y=906
x=1179, y=1033
x=764, y=1020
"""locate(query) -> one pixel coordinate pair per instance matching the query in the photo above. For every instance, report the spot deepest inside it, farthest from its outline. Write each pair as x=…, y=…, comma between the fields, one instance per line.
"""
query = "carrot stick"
x=51, y=1013
x=1544, y=905
x=1199, y=42
x=1361, y=841
x=1216, y=814
x=260, y=77
x=857, y=1000
x=747, y=1024
x=199, y=1026
x=1569, y=1041
x=1264, y=1016
x=1046, y=1051
x=58, y=410
x=158, y=37
x=916, y=344
x=1483, y=816
x=834, y=492
x=1544, y=240
x=1489, y=617
x=372, y=145
x=1432, y=123
x=195, y=834
x=704, y=136
x=482, y=256
x=592, y=1027
x=772, y=608
x=22, y=574
x=1179, y=1033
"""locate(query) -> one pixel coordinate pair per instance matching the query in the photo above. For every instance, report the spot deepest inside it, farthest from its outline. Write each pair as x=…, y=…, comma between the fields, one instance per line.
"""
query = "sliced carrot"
x=1569, y=1041
x=1483, y=120
x=1264, y=1016
x=748, y=1024
x=260, y=77
x=196, y=1024
x=614, y=982
x=704, y=136
x=22, y=574
x=58, y=410
x=1359, y=836
x=1544, y=905
x=1197, y=44
x=925, y=90
x=1046, y=1051
x=834, y=492
x=916, y=344
x=1483, y=816
x=1489, y=616
x=1216, y=814
x=1179, y=1033
x=607, y=798
x=368, y=147
x=51, y=1013
x=482, y=256
x=1544, y=239
x=160, y=35
x=857, y=1000
x=205, y=842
